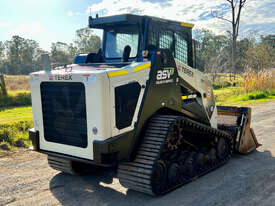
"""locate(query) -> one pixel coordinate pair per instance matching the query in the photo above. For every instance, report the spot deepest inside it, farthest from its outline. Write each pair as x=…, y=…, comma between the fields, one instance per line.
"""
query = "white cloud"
x=70, y=13
x=198, y=12
x=257, y=12
x=28, y=30
x=5, y=24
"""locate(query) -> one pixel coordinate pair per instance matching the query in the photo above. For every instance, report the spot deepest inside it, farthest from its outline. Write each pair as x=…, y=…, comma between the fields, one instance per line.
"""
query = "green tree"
x=60, y=54
x=236, y=8
x=73, y=51
x=28, y=55
x=209, y=48
x=269, y=42
x=242, y=47
x=2, y=50
x=21, y=56
x=2, y=55
x=259, y=57
x=87, y=42
x=14, y=46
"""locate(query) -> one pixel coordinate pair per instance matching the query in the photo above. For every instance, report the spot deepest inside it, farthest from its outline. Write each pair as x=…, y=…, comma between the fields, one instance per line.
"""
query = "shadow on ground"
x=97, y=188
x=245, y=180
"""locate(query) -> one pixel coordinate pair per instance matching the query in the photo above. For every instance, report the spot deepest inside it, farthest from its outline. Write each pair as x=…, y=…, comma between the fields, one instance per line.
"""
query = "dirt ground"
x=26, y=179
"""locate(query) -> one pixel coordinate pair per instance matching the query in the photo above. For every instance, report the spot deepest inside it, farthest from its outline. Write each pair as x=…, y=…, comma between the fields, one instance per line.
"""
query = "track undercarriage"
x=175, y=150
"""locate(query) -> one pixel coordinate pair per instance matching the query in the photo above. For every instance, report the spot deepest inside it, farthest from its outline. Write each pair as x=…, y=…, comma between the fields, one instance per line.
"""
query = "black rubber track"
x=138, y=174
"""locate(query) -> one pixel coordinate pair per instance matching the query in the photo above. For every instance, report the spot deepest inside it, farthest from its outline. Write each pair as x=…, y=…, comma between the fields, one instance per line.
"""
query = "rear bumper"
x=106, y=153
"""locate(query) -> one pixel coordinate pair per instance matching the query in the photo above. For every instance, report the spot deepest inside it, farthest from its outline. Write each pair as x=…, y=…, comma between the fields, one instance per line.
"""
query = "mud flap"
x=236, y=121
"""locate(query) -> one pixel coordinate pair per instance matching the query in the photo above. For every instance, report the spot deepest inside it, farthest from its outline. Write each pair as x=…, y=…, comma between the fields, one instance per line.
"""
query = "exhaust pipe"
x=46, y=62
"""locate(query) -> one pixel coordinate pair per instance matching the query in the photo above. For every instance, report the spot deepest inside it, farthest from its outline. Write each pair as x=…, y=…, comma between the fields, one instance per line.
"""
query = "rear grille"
x=64, y=113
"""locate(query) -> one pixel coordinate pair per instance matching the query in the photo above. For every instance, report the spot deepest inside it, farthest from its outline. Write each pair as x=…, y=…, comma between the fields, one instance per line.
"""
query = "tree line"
x=23, y=56
x=213, y=52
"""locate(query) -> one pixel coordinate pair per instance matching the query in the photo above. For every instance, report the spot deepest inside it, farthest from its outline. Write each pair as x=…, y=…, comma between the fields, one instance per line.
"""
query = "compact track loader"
x=137, y=104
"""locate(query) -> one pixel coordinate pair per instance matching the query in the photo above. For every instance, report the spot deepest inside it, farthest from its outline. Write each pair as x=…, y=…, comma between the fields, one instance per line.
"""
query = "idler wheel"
x=160, y=176
x=174, y=139
x=222, y=148
x=200, y=160
x=174, y=173
x=212, y=155
x=182, y=157
x=189, y=169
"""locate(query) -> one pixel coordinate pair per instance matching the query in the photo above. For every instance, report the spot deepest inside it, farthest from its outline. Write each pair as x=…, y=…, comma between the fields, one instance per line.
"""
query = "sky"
x=48, y=21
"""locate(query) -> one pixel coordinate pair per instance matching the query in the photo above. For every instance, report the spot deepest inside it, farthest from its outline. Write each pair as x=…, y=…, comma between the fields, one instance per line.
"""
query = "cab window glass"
x=180, y=48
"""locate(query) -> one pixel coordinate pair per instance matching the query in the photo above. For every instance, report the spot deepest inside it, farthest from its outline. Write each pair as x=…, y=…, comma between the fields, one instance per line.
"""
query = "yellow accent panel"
x=144, y=66
x=118, y=73
x=187, y=24
x=183, y=97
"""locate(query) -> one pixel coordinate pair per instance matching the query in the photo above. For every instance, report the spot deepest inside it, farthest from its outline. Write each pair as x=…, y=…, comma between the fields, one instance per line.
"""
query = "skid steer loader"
x=137, y=104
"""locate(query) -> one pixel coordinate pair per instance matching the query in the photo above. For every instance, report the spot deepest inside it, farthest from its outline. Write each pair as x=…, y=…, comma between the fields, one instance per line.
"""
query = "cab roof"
x=102, y=22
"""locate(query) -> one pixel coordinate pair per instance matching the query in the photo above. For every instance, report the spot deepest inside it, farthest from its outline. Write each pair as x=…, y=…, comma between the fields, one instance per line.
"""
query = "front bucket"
x=248, y=141
x=236, y=121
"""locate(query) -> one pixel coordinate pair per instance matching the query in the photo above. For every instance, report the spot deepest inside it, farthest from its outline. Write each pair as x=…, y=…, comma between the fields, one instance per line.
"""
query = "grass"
x=16, y=114
x=16, y=98
x=231, y=96
x=251, y=88
x=14, y=125
x=14, y=93
x=224, y=80
x=15, y=120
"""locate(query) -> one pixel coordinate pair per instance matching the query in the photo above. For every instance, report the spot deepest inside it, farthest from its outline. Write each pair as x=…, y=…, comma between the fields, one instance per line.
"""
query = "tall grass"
x=18, y=87
x=17, y=82
x=252, y=88
x=273, y=78
x=257, y=81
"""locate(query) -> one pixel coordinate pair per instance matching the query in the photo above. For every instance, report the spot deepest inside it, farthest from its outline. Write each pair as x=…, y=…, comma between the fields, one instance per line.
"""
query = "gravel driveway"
x=26, y=179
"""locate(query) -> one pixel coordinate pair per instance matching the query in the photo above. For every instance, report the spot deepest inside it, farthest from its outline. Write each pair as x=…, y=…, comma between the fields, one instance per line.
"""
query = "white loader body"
x=99, y=84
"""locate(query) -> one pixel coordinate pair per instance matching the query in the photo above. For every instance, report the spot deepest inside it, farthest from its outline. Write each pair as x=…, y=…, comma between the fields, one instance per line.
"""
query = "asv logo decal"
x=165, y=75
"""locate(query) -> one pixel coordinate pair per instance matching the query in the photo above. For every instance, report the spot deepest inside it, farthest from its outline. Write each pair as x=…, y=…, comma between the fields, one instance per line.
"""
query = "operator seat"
x=94, y=57
x=151, y=47
x=126, y=53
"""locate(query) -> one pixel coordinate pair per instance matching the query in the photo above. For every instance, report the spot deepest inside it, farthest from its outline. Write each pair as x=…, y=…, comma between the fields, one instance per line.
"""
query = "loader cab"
x=122, y=39
x=131, y=38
